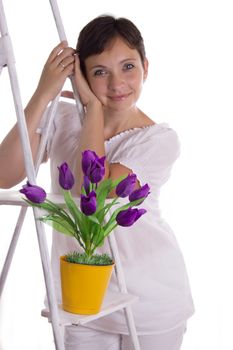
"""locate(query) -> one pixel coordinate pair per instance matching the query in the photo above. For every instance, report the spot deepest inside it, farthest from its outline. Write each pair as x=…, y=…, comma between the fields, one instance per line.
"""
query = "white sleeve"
x=42, y=129
x=151, y=159
x=63, y=111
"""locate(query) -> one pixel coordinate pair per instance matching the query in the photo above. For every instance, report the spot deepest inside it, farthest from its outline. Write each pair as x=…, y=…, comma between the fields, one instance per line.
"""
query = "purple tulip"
x=86, y=184
x=93, y=166
x=140, y=193
x=129, y=217
x=34, y=193
x=126, y=186
x=88, y=203
x=66, y=178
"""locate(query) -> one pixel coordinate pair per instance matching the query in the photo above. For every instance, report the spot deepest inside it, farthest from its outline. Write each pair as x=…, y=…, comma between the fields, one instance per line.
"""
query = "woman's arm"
x=52, y=79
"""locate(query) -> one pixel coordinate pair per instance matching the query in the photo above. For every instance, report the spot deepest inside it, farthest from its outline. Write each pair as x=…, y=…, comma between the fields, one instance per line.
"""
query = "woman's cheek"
x=98, y=89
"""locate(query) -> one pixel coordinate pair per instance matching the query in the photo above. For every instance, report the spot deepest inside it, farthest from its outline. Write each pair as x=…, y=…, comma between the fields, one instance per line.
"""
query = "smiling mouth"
x=119, y=97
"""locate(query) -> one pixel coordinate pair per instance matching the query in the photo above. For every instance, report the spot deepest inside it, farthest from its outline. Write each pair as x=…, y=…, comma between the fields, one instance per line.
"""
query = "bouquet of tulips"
x=87, y=222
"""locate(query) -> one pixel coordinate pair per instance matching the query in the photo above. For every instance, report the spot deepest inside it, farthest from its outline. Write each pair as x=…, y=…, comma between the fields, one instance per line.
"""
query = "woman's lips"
x=119, y=97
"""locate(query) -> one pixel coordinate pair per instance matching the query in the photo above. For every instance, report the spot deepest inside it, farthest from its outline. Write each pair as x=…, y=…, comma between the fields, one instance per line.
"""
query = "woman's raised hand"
x=59, y=65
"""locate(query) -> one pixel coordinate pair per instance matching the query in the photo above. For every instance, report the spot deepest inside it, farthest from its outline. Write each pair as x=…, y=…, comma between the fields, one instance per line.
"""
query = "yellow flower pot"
x=83, y=286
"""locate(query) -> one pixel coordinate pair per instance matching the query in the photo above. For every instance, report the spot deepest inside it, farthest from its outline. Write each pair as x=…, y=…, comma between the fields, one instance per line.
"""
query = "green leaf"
x=100, y=214
x=108, y=229
x=78, y=216
x=100, y=243
x=71, y=205
x=102, y=192
x=59, y=224
x=95, y=236
x=94, y=219
x=103, y=186
x=98, y=238
x=52, y=208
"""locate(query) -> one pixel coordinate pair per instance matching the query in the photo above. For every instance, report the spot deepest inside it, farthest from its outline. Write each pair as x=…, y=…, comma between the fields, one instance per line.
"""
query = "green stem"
x=113, y=202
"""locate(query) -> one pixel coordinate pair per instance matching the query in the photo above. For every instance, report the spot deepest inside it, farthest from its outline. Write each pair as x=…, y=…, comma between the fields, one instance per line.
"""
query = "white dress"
x=152, y=261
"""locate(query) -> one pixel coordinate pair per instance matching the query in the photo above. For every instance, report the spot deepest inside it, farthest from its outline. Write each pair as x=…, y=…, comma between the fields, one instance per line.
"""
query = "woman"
x=110, y=68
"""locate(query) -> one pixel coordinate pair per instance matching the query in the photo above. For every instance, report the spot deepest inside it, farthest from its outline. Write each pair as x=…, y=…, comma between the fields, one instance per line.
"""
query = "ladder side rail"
x=46, y=269
x=62, y=36
x=2, y=54
x=118, y=265
x=10, y=61
x=11, y=250
x=8, y=57
x=46, y=132
x=50, y=291
x=54, y=104
x=122, y=286
x=131, y=327
x=21, y=217
x=45, y=259
x=28, y=160
x=49, y=283
x=31, y=174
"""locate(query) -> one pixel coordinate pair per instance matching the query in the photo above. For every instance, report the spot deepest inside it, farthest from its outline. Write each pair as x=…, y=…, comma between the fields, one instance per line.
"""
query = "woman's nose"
x=115, y=82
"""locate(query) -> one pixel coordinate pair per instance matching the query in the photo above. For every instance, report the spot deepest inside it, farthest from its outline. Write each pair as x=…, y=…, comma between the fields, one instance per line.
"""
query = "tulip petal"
x=66, y=178
x=86, y=184
x=93, y=166
x=140, y=193
x=88, y=203
x=129, y=216
x=126, y=186
x=33, y=193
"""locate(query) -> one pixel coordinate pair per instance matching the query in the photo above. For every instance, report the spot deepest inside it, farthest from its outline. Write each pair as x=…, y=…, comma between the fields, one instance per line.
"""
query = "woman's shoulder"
x=163, y=131
x=159, y=135
x=162, y=139
x=157, y=132
x=156, y=140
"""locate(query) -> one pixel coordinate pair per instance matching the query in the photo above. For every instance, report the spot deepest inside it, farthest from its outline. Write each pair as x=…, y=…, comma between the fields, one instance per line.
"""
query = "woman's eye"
x=128, y=66
x=100, y=72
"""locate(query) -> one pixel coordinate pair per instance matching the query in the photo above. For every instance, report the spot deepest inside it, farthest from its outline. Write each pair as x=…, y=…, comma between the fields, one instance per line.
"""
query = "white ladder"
x=55, y=314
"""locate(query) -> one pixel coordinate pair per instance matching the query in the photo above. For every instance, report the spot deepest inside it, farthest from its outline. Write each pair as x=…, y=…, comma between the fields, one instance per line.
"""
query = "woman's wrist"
x=94, y=108
x=35, y=109
x=41, y=98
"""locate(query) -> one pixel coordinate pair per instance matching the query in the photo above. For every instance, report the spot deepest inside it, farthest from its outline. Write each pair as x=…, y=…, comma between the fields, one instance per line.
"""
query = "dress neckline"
x=127, y=131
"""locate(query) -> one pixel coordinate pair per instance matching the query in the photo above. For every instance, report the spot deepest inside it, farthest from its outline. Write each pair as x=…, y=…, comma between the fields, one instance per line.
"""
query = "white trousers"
x=83, y=338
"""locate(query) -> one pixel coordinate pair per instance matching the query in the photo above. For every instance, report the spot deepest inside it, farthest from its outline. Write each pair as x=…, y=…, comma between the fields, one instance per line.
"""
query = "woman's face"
x=116, y=75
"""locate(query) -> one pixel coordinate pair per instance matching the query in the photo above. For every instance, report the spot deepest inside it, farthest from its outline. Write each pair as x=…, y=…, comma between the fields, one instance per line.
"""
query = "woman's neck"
x=119, y=122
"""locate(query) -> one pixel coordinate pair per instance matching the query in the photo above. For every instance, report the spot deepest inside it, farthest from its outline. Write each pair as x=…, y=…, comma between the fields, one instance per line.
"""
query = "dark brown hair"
x=98, y=33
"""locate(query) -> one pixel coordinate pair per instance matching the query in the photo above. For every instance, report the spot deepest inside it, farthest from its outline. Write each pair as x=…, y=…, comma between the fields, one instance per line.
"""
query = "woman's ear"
x=145, y=66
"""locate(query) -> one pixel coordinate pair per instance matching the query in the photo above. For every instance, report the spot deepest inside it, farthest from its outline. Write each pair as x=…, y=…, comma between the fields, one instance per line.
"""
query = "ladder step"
x=113, y=302
x=16, y=198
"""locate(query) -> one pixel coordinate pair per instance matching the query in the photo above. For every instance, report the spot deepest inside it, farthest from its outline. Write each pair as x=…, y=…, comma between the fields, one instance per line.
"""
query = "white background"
x=190, y=86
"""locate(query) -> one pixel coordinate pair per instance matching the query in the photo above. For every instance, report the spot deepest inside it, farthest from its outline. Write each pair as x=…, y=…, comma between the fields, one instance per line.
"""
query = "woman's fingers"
x=64, y=58
x=82, y=85
x=57, y=50
x=61, y=56
x=57, y=68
